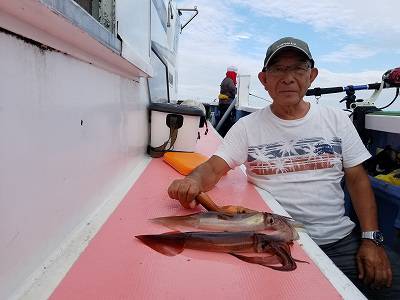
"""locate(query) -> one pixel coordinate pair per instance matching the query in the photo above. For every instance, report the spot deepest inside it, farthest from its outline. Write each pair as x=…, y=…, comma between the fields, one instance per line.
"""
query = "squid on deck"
x=277, y=252
x=220, y=221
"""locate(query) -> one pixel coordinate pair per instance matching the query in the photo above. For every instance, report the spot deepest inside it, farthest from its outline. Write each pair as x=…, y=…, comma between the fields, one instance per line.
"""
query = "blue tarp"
x=388, y=201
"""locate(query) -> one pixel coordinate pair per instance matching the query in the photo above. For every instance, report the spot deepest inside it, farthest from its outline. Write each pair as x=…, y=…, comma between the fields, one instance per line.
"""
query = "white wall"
x=243, y=90
x=54, y=170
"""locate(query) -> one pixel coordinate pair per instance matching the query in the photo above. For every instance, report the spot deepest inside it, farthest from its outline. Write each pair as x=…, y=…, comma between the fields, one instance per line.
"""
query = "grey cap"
x=285, y=43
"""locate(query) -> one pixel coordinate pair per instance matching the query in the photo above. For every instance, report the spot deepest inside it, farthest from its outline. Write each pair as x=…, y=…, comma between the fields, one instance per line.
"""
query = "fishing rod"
x=339, y=89
x=390, y=79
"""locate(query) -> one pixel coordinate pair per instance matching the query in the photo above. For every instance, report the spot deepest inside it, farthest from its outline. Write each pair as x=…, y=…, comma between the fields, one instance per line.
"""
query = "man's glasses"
x=279, y=70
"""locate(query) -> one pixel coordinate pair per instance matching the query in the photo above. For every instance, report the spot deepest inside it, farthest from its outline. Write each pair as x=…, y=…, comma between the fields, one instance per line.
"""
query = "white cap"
x=232, y=68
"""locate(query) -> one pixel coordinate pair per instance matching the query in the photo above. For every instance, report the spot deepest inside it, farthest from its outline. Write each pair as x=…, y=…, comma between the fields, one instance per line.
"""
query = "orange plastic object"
x=184, y=162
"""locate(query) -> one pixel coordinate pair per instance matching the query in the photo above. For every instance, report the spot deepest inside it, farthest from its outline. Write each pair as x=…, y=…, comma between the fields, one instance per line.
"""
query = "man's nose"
x=288, y=77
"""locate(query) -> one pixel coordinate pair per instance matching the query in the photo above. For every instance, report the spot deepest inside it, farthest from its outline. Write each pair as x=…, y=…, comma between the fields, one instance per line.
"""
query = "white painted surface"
x=384, y=123
x=70, y=132
x=45, y=279
x=243, y=90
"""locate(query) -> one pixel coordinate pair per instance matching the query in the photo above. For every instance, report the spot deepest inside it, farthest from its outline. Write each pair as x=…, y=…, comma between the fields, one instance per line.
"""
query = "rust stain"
x=37, y=44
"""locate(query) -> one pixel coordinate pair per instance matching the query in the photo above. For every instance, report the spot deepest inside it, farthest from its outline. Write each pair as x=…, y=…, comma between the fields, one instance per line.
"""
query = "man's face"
x=288, y=77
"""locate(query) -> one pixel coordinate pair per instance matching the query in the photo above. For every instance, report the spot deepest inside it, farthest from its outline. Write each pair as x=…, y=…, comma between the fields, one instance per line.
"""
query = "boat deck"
x=115, y=265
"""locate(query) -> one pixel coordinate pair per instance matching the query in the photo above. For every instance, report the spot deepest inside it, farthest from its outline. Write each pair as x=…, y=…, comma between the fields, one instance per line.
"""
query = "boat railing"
x=226, y=114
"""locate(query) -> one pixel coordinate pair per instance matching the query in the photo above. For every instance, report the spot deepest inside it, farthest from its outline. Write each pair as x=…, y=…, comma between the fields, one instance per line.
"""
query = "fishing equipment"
x=392, y=77
x=359, y=108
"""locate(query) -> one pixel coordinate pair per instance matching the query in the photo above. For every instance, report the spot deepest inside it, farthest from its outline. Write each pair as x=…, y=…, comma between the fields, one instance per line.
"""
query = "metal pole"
x=225, y=116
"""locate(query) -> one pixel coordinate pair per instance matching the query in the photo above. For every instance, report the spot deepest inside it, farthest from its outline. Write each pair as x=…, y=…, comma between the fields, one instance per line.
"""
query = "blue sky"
x=352, y=42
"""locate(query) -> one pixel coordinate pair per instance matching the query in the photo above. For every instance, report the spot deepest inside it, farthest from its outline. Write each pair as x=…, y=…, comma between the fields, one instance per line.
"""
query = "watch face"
x=378, y=236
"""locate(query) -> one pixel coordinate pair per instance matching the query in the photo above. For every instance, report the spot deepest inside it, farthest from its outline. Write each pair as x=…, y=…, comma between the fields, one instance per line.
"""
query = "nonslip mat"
x=116, y=265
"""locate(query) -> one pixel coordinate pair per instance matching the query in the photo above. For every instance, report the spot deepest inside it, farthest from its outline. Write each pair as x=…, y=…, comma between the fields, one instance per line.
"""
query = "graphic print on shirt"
x=294, y=156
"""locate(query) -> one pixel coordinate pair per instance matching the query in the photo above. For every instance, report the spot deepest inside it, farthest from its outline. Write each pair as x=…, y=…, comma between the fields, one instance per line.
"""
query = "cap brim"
x=285, y=48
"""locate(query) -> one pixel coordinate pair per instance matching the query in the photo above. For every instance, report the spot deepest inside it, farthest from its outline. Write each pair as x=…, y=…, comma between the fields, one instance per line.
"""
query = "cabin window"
x=158, y=84
x=134, y=23
x=102, y=10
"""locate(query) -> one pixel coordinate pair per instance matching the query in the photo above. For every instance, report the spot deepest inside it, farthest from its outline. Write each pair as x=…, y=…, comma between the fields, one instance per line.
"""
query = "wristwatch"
x=375, y=236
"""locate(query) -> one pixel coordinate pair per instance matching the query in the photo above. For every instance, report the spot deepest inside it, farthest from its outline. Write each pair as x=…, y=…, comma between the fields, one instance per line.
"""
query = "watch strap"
x=375, y=236
x=368, y=235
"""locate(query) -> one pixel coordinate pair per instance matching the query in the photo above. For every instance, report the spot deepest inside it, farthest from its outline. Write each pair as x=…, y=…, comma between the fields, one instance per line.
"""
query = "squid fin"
x=170, y=244
x=281, y=255
x=174, y=221
x=301, y=261
x=266, y=261
x=285, y=248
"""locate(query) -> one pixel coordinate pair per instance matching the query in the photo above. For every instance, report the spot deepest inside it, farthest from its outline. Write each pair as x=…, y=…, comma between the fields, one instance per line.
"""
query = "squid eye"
x=271, y=221
x=265, y=245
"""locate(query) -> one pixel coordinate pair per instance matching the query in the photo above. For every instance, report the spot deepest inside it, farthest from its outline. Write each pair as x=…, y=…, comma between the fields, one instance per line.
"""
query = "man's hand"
x=373, y=265
x=202, y=179
x=185, y=190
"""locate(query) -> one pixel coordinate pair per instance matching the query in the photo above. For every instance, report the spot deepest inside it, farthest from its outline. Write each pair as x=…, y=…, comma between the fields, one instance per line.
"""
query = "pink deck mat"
x=116, y=265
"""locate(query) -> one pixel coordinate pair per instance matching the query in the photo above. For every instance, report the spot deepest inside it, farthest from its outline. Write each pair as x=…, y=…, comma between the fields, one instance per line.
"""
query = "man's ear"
x=262, y=78
x=313, y=74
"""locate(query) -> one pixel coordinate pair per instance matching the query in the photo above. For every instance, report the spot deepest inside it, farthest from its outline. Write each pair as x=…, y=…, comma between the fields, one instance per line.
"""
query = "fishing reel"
x=392, y=77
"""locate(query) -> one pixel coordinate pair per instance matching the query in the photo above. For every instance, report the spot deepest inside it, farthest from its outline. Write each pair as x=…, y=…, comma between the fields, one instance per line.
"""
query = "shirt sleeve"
x=234, y=146
x=353, y=149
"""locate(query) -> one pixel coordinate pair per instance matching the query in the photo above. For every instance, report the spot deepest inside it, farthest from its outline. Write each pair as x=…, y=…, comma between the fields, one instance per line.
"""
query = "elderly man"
x=299, y=152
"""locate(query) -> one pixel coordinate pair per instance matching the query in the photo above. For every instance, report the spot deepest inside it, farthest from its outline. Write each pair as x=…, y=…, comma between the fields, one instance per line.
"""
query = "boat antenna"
x=180, y=10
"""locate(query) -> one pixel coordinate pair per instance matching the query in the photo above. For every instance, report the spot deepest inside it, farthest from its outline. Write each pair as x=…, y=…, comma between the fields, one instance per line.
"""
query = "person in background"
x=299, y=152
x=226, y=96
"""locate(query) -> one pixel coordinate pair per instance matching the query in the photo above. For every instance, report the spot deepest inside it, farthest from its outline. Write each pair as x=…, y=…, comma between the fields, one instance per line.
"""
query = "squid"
x=276, y=252
x=220, y=221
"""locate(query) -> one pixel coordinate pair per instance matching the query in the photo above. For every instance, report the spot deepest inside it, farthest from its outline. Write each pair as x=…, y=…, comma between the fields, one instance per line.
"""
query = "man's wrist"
x=373, y=236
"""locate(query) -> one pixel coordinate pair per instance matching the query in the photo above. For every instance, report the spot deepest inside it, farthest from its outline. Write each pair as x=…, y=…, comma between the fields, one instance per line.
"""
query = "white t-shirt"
x=300, y=162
